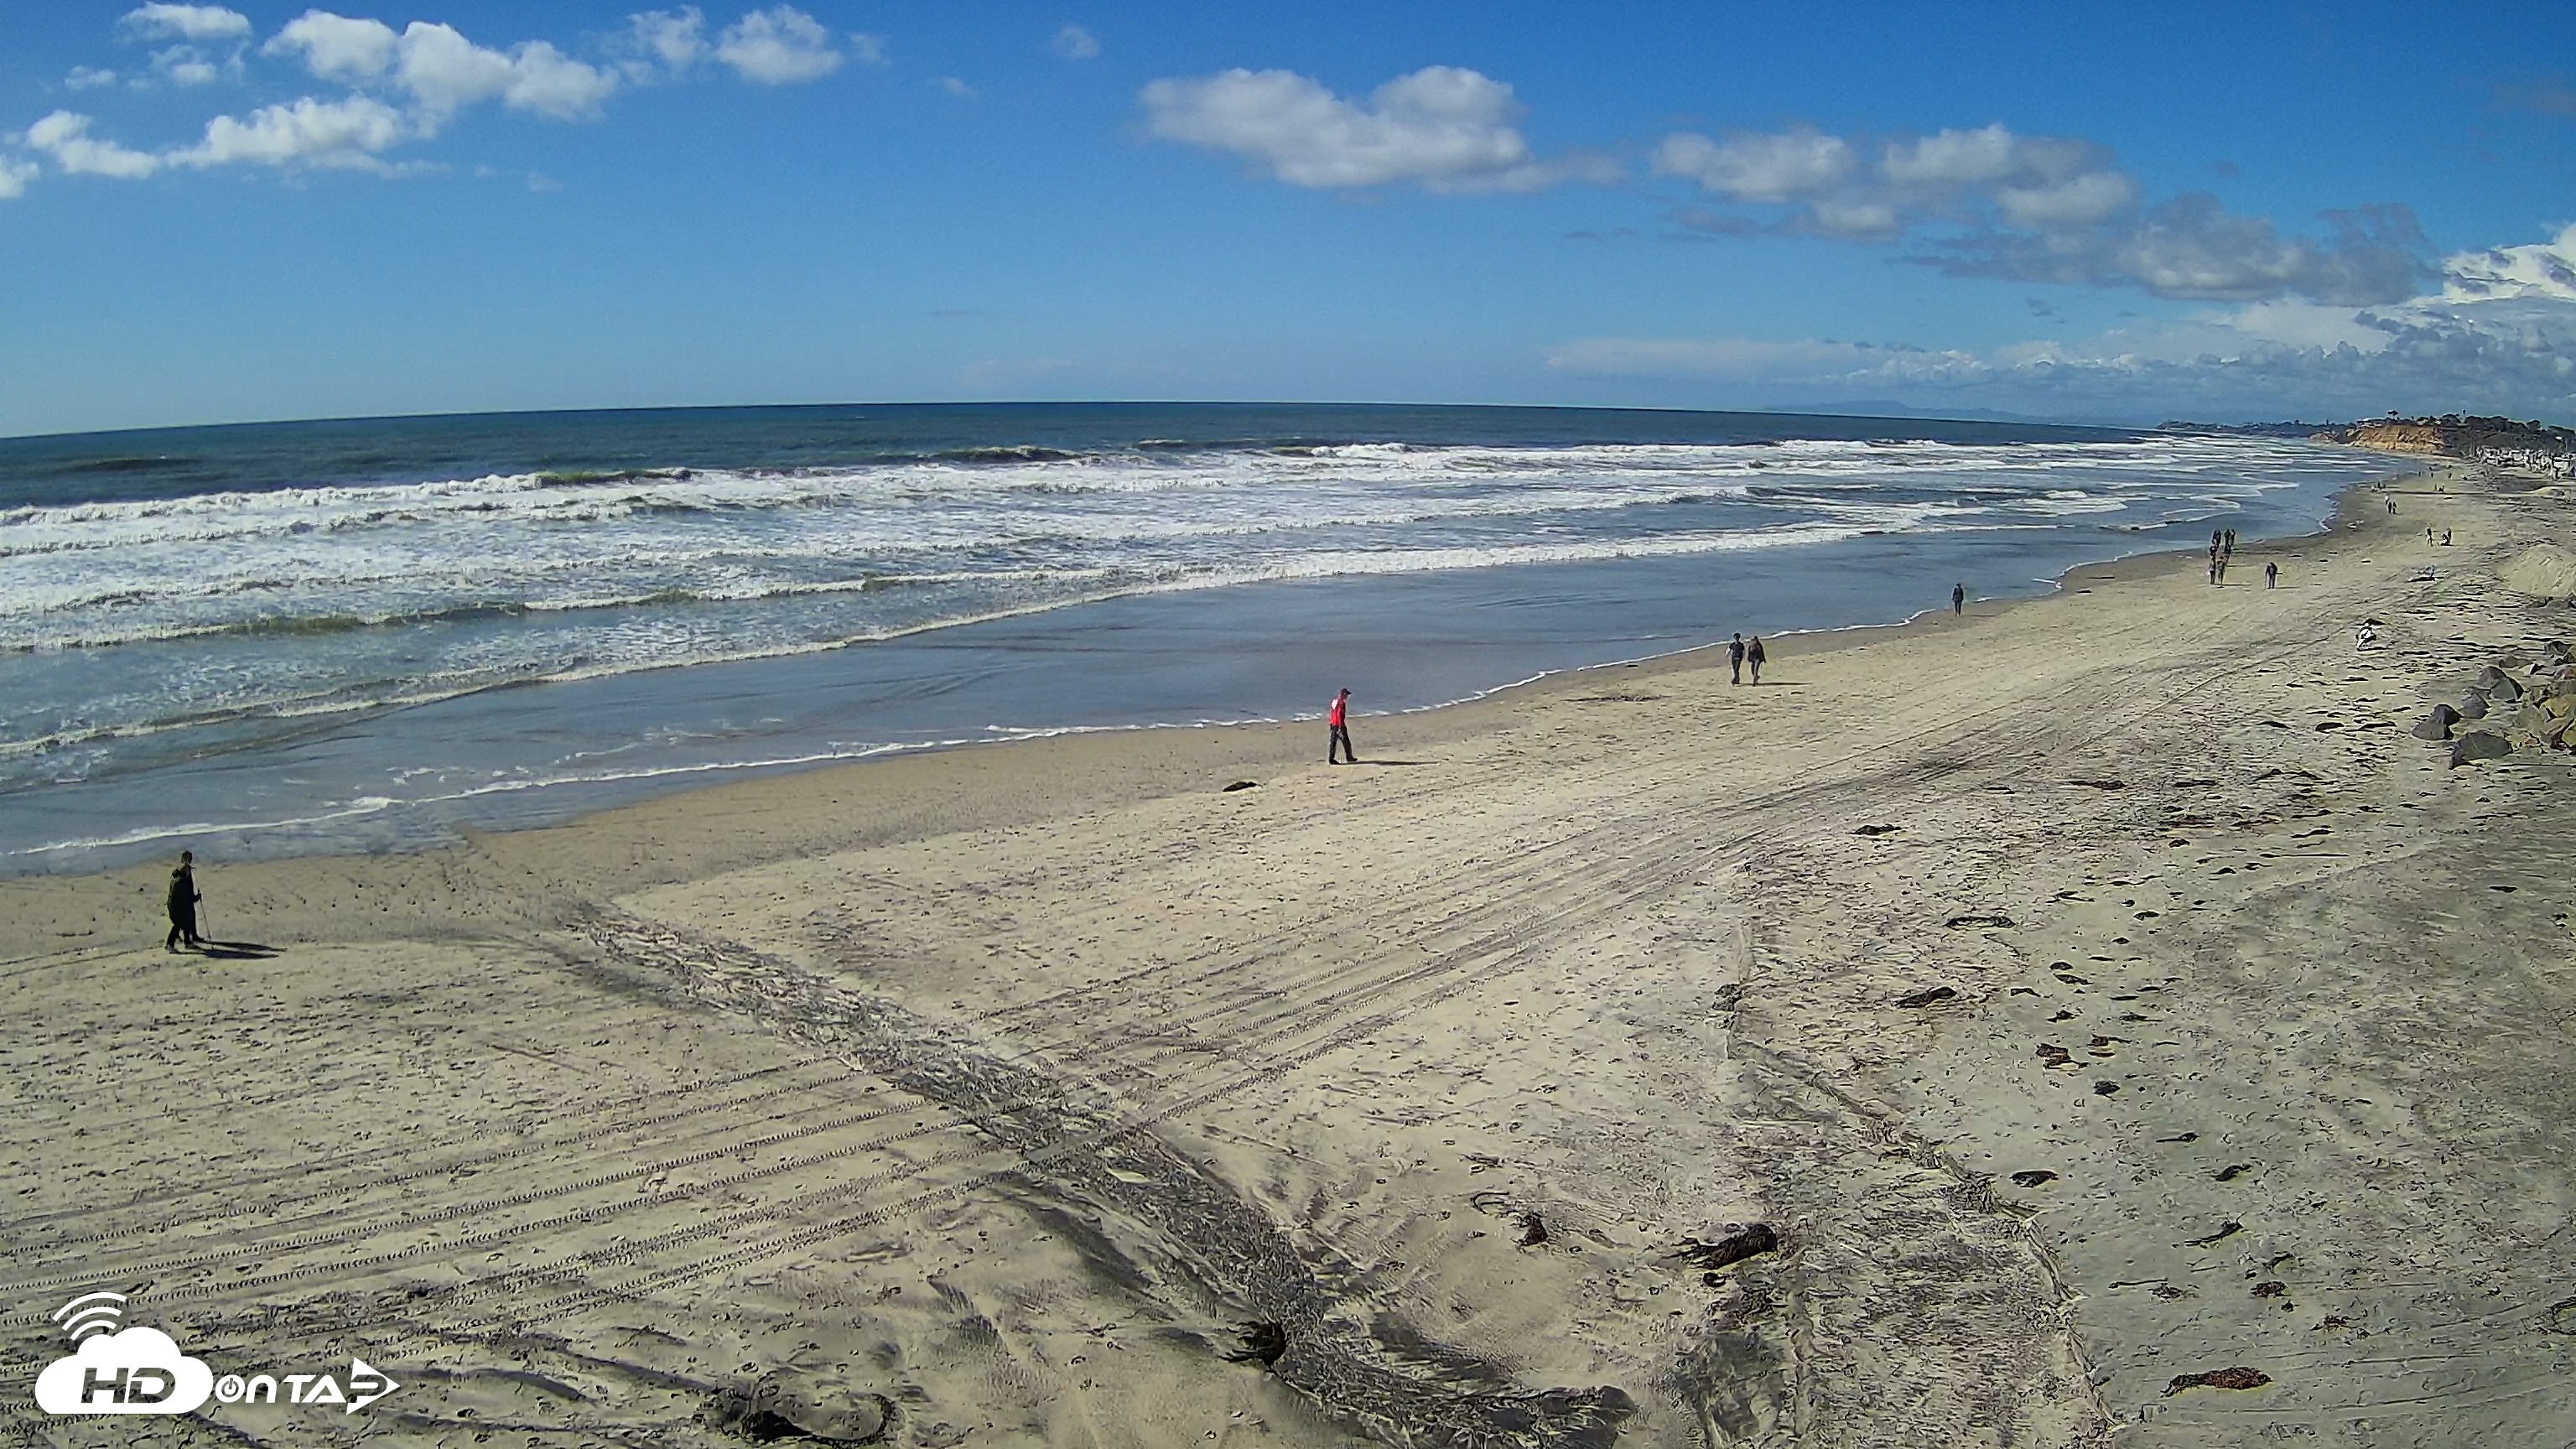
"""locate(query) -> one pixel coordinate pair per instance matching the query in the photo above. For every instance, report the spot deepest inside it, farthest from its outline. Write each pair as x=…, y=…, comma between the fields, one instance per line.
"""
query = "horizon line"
x=2012, y=420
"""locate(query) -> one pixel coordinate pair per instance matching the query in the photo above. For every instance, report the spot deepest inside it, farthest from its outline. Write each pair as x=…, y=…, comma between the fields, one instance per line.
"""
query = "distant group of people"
x=1741, y=655
x=2222, y=552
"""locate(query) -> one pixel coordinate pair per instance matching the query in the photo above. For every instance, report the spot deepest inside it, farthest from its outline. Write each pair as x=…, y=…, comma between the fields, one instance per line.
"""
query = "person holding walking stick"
x=183, y=904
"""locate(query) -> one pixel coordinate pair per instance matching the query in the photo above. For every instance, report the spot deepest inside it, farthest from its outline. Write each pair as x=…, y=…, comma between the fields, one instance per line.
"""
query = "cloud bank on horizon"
x=1989, y=203
x=2350, y=310
x=2479, y=348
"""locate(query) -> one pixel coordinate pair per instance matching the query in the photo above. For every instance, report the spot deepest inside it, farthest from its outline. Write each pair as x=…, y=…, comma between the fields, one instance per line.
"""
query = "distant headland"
x=2522, y=447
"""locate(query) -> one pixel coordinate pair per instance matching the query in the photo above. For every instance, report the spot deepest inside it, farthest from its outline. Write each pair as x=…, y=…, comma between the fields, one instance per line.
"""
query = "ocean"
x=359, y=635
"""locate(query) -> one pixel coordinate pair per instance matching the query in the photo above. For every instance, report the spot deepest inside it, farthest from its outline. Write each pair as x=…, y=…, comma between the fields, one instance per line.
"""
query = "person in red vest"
x=1340, y=741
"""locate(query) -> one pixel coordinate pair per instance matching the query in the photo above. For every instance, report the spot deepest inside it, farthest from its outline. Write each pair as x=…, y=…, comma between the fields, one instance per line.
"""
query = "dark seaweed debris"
x=1263, y=1341
x=1729, y=1250
x=2226, y=1378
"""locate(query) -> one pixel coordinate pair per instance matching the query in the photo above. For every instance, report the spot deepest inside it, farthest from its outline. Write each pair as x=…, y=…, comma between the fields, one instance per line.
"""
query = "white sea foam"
x=313, y=602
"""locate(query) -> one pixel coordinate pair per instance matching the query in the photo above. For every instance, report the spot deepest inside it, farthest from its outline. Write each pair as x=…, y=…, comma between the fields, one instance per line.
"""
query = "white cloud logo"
x=137, y=1371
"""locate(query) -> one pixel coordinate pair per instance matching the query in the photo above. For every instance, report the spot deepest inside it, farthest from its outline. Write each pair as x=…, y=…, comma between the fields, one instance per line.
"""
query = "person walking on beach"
x=1753, y=655
x=2271, y=575
x=1340, y=739
x=1735, y=660
x=1958, y=598
x=183, y=904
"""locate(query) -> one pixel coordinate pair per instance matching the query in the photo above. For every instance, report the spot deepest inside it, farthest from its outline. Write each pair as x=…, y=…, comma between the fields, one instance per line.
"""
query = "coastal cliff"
x=2499, y=443
x=2401, y=437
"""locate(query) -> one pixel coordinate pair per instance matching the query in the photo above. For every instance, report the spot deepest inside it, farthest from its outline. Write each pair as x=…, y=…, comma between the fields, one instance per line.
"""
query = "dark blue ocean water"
x=358, y=634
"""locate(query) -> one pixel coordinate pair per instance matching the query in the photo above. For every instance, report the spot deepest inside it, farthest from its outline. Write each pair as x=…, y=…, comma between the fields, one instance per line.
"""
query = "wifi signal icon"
x=91, y=1313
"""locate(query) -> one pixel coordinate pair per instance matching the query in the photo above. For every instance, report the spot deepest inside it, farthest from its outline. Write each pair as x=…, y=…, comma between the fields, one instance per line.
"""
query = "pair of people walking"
x=1740, y=655
x=182, y=902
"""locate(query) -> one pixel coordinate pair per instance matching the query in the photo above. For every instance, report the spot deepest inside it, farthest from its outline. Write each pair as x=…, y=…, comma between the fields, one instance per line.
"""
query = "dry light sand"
x=988, y=1098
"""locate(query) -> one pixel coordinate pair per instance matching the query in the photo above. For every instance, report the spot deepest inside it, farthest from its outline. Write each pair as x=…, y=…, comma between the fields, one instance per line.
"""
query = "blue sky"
x=213, y=213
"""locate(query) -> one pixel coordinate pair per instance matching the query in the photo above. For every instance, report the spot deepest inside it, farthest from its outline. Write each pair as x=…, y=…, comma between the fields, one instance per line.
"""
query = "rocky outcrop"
x=2515, y=702
x=2479, y=745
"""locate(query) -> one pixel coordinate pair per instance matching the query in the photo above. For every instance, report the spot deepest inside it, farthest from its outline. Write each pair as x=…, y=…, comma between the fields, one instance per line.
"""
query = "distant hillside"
x=2248, y=430
x=2532, y=447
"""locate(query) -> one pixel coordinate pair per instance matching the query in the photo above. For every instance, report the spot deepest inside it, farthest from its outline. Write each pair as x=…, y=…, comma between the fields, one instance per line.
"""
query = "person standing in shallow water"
x=1958, y=598
x=1754, y=656
x=1340, y=738
x=1735, y=660
x=183, y=904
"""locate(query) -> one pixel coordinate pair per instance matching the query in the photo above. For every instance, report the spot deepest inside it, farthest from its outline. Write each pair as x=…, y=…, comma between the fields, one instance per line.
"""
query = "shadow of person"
x=1400, y=764
x=237, y=950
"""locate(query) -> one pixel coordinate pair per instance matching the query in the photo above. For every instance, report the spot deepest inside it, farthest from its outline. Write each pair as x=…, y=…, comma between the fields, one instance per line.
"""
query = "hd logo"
x=141, y=1371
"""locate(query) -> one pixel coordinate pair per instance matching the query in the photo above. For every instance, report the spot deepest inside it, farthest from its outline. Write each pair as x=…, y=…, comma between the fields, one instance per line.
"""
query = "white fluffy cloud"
x=183, y=65
x=781, y=46
x=445, y=72
x=2085, y=200
x=2545, y=270
x=442, y=71
x=1980, y=157
x=188, y=22
x=1787, y=167
x=351, y=131
x=336, y=47
x=65, y=137
x=403, y=86
x=1075, y=43
x=1442, y=127
x=210, y=40
x=673, y=38
x=550, y=83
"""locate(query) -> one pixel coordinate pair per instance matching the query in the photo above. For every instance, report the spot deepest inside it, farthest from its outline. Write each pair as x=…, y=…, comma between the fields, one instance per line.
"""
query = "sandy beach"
x=2078, y=997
